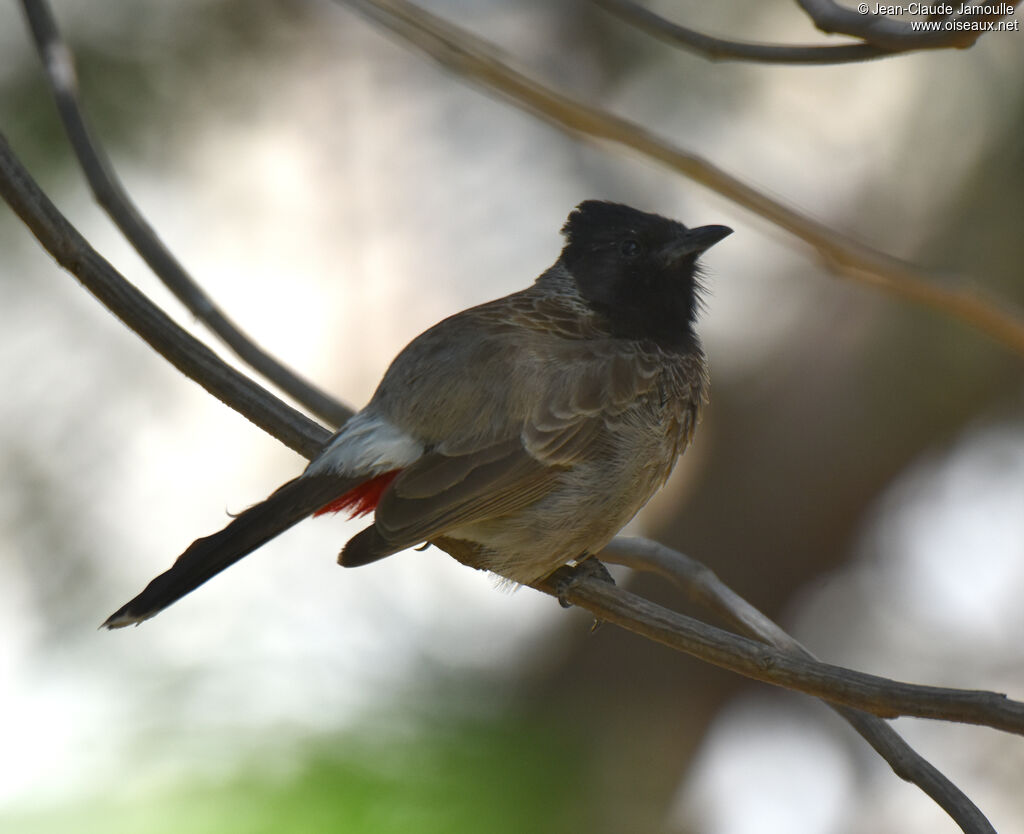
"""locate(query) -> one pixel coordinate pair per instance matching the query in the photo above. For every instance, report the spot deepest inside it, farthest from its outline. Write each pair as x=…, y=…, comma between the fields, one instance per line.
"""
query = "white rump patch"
x=366, y=445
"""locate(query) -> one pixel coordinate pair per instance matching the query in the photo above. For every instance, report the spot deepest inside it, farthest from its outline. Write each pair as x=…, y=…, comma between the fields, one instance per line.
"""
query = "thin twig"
x=475, y=59
x=912, y=767
x=177, y=346
x=701, y=585
x=888, y=32
x=722, y=49
x=704, y=588
x=870, y=693
x=58, y=63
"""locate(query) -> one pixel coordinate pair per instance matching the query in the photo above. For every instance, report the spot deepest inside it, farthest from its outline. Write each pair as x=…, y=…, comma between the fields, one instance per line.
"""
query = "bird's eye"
x=629, y=248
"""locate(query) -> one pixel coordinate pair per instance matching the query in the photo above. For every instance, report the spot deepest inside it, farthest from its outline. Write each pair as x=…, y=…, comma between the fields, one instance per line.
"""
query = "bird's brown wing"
x=589, y=393
x=442, y=491
x=594, y=386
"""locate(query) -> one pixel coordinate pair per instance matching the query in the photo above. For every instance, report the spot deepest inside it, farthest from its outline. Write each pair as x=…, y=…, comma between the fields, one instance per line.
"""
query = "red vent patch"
x=363, y=499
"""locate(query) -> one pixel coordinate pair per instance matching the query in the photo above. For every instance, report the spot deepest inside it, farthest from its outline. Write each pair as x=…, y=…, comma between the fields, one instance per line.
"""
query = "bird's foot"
x=566, y=578
x=590, y=567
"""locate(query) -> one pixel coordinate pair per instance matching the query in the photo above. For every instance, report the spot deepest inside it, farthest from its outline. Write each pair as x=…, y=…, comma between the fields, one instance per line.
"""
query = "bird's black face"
x=638, y=270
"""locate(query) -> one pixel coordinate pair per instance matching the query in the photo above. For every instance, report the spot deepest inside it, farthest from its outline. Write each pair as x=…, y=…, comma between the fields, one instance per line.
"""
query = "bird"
x=519, y=435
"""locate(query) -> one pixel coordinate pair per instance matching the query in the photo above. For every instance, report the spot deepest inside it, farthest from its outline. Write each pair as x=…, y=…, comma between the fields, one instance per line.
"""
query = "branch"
x=870, y=693
x=58, y=62
x=720, y=49
x=890, y=33
x=704, y=588
x=701, y=585
x=117, y=294
x=468, y=56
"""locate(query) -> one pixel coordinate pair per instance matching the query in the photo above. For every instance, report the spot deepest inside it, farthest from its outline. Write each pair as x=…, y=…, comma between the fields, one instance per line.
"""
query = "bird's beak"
x=695, y=241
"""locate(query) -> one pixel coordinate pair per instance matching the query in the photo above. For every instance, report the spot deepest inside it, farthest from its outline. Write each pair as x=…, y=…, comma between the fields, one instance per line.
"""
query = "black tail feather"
x=364, y=548
x=208, y=556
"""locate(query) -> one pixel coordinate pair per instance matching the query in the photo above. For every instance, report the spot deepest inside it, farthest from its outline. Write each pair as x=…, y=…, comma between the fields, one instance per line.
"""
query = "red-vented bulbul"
x=517, y=435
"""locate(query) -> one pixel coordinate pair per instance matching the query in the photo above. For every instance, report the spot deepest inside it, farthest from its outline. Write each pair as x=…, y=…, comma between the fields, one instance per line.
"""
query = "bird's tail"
x=208, y=556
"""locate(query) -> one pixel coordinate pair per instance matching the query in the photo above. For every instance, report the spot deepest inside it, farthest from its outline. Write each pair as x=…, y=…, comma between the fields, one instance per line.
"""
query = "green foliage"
x=495, y=778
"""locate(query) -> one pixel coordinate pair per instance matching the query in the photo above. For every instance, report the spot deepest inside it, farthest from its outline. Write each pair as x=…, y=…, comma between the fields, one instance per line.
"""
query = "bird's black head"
x=638, y=270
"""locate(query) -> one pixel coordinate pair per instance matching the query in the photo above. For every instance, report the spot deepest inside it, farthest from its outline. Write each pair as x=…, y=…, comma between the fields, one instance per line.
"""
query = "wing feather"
x=441, y=492
x=601, y=387
x=596, y=388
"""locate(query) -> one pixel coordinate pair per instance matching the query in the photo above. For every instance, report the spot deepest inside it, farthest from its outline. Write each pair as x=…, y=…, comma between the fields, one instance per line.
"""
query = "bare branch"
x=890, y=33
x=881, y=36
x=470, y=57
x=721, y=49
x=117, y=294
x=701, y=585
x=58, y=62
x=912, y=767
x=704, y=588
x=870, y=693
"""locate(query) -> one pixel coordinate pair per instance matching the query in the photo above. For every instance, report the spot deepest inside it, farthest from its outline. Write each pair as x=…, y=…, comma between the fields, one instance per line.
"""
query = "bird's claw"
x=568, y=577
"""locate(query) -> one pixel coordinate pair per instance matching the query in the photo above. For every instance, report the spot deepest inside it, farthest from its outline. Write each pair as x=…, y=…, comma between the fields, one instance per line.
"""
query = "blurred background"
x=859, y=474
